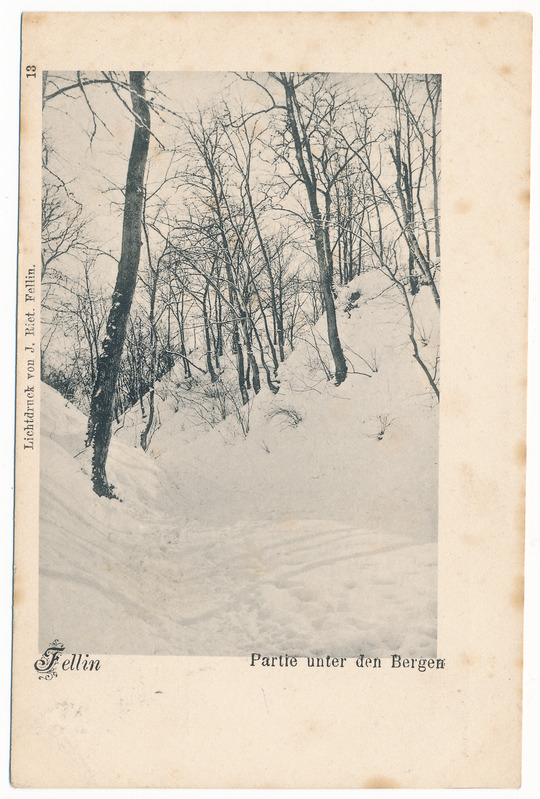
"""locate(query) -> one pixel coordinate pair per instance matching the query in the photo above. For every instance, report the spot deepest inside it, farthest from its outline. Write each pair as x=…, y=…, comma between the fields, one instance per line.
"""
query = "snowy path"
x=116, y=582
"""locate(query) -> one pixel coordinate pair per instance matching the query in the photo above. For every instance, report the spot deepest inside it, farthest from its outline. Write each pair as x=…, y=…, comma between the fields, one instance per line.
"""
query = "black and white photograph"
x=240, y=299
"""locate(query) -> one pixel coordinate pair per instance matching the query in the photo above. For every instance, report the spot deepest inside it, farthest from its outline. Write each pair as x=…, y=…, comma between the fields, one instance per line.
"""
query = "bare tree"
x=101, y=410
x=62, y=220
x=299, y=120
x=413, y=158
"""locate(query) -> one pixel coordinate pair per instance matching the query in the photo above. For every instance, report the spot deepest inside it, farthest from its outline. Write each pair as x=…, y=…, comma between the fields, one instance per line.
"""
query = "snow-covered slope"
x=313, y=534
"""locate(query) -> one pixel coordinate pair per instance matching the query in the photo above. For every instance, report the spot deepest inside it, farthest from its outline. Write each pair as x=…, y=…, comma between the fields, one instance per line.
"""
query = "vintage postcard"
x=271, y=384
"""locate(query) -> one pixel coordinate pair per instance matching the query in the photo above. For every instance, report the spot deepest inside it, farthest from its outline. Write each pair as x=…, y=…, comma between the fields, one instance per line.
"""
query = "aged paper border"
x=457, y=728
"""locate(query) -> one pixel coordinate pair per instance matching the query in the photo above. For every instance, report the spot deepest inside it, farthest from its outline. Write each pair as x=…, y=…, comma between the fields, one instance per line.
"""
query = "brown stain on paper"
x=380, y=782
x=521, y=453
x=471, y=540
x=524, y=197
x=482, y=20
x=518, y=594
x=18, y=595
x=462, y=206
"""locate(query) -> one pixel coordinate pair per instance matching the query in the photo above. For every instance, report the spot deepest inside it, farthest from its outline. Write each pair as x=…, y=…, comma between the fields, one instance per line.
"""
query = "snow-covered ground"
x=313, y=534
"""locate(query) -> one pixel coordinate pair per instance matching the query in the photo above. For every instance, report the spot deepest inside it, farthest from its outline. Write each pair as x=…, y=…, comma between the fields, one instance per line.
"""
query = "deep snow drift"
x=314, y=534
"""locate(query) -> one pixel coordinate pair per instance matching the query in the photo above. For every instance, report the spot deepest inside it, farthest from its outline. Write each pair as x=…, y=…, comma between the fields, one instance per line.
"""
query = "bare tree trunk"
x=278, y=324
x=240, y=368
x=101, y=410
x=412, y=337
x=303, y=155
x=219, y=328
x=252, y=361
x=273, y=388
x=434, y=96
x=146, y=434
x=280, y=310
x=206, y=322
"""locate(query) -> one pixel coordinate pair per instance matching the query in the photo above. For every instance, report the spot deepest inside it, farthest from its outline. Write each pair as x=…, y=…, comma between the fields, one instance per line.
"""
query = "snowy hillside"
x=315, y=533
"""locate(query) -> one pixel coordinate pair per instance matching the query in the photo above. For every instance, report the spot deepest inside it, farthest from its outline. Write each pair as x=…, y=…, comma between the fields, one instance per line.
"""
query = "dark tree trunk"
x=339, y=238
x=234, y=299
x=240, y=368
x=219, y=327
x=405, y=193
x=273, y=388
x=267, y=330
x=280, y=317
x=278, y=325
x=256, y=380
x=182, y=333
x=360, y=234
x=248, y=375
x=350, y=237
x=101, y=409
x=146, y=434
x=434, y=98
x=207, y=339
x=305, y=165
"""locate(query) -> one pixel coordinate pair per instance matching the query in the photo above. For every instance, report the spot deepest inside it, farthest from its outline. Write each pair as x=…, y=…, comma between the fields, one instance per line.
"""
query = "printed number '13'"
x=31, y=72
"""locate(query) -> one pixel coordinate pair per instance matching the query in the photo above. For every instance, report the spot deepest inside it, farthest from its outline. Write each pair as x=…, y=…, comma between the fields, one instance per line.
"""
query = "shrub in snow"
x=289, y=417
